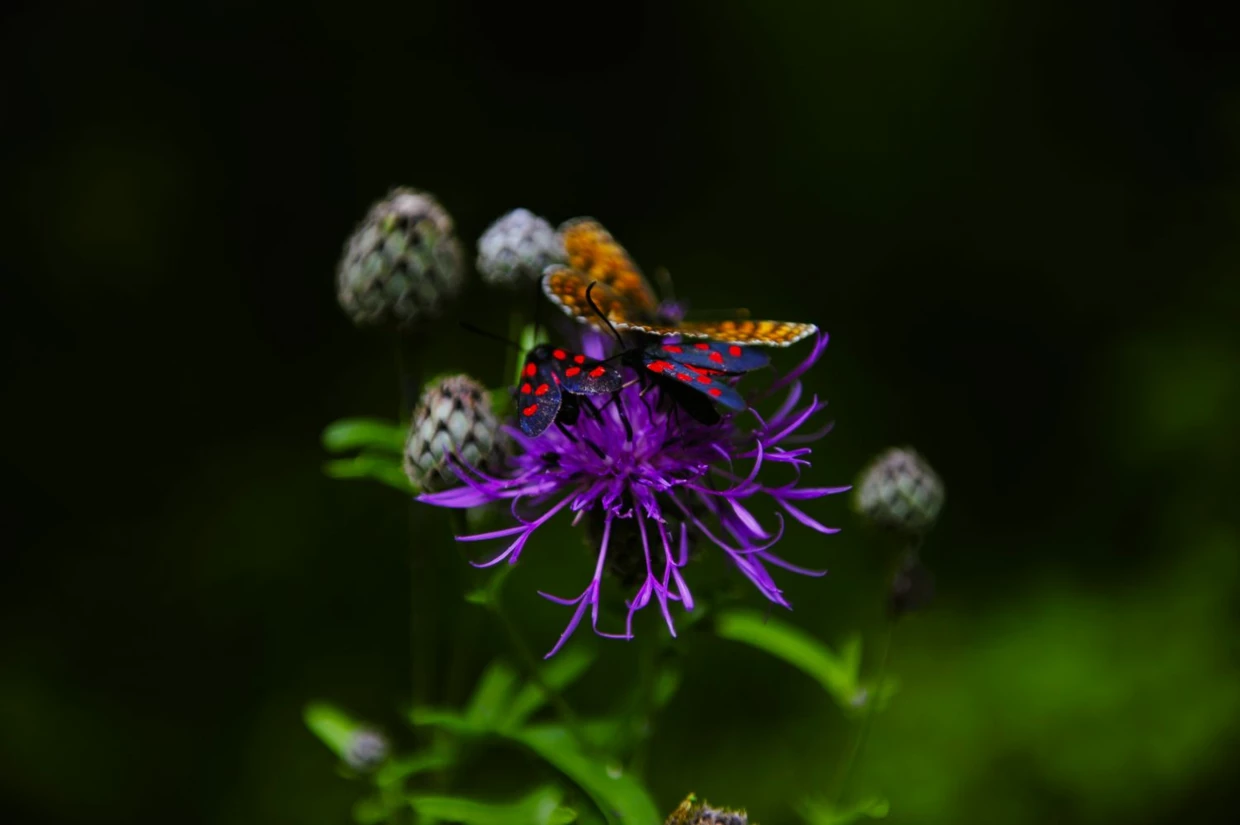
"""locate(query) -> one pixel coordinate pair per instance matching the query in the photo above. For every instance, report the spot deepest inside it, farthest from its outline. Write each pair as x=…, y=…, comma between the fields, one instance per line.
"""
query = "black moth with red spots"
x=551, y=380
x=690, y=373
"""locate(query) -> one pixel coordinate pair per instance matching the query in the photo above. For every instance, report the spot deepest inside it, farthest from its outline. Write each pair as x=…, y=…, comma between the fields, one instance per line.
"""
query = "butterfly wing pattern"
x=625, y=297
x=743, y=332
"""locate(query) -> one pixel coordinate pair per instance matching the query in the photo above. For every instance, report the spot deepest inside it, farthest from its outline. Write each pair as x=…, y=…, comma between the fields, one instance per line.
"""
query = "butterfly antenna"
x=485, y=334
x=599, y=313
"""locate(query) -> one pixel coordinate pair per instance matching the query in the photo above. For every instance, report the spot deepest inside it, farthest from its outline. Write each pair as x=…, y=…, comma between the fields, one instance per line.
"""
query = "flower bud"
x=899, y=491
x=402, y=264
x=454, y=421
x=517, y=248
x=366, y=750
x=692, y=812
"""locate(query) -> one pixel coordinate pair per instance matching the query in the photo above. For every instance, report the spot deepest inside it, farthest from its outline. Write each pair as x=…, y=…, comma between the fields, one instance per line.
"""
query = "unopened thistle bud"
x=367, y=750
x=402, y=264
x=692, y=812
x=453, y=422
x=517, y=248
x=899, y=491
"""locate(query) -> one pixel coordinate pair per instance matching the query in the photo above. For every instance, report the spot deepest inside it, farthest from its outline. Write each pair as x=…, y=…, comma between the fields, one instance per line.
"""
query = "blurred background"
x=1016, y=219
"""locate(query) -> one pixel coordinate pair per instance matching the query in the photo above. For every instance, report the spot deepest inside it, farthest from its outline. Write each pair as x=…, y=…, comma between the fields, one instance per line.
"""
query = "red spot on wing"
x=597, y=371
x=701, y=345
x=530, y=410
x=704, y=379
x=556, y=378
x=657, y=366
x=580, y=359
x=526, y=389
x=530, y=369
x=684, y=376
x=717, y=357
x=571, y=371
x=715, y=392
x=672, y=348
x=559, y=354
x=542, y=389
x=734, y=351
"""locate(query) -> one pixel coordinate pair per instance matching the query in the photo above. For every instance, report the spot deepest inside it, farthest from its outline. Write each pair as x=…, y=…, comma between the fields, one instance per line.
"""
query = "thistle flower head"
x=402, y=264
x=649, y=476
x=453, y=419
x=899, y=491
x=517, y=248
x=693, y=812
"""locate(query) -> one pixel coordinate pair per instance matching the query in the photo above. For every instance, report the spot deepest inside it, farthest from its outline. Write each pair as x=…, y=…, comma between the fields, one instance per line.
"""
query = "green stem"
x=648, y=671
x=534, y=673
x=854, y=754
x=421, y=645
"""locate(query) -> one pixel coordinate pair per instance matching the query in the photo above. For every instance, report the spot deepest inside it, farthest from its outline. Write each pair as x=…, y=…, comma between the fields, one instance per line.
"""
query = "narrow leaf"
x=542, y=807
x=361, y=433
x=331, y=725
x=620, y=797
x=561, y=672
x=384, y=469
x=824, y=813
x=836, y=673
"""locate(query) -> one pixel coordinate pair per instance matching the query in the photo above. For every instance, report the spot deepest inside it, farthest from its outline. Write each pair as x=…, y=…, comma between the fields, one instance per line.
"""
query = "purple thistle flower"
x=676, y=480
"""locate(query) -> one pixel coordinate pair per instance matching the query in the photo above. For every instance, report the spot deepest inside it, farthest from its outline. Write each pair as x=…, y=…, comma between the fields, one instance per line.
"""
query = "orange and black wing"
x=567, y=289
x=596, y=255
x=743, y=332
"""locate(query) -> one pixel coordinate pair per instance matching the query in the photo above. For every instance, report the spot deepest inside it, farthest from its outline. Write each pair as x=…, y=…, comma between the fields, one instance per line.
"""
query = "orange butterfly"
x=626, y=298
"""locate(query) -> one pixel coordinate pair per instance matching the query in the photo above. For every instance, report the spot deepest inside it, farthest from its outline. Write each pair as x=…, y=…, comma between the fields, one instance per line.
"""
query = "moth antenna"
x=599, y=313
x=485, y=334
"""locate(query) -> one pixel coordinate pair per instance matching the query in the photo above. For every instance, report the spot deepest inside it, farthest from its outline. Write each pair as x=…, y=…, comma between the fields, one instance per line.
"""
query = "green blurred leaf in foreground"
x=839, y=674
x=823, y=813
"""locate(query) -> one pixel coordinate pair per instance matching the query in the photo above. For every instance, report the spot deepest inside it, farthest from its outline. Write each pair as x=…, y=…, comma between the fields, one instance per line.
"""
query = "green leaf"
x=383, y=469
x=542, y=807
x=491, y=698
x=330, y=724
x=398, y=769
x=371, y=810
x=667, y=682
x=838, y=674
x=824, y=813
x=363, y=433
x=620, y=797
x=561, y=672
x=488, y=594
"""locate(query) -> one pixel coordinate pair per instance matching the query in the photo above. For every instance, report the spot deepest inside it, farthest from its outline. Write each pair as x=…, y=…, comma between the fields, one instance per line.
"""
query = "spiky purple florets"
x=674, y=480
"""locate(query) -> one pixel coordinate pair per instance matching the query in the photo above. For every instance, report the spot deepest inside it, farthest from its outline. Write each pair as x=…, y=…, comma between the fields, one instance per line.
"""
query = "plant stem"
x=648, y=671
x=854, y=753
x=420, y=642
x=533, y=671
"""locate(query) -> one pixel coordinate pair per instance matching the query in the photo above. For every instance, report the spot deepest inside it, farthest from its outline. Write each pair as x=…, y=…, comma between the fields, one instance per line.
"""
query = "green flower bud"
x=517, y=248
x=899, y=491
x=453, y=421
x=402, y=265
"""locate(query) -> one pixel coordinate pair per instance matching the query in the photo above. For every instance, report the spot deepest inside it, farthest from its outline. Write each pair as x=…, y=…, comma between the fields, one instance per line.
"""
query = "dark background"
x=1017, y=221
